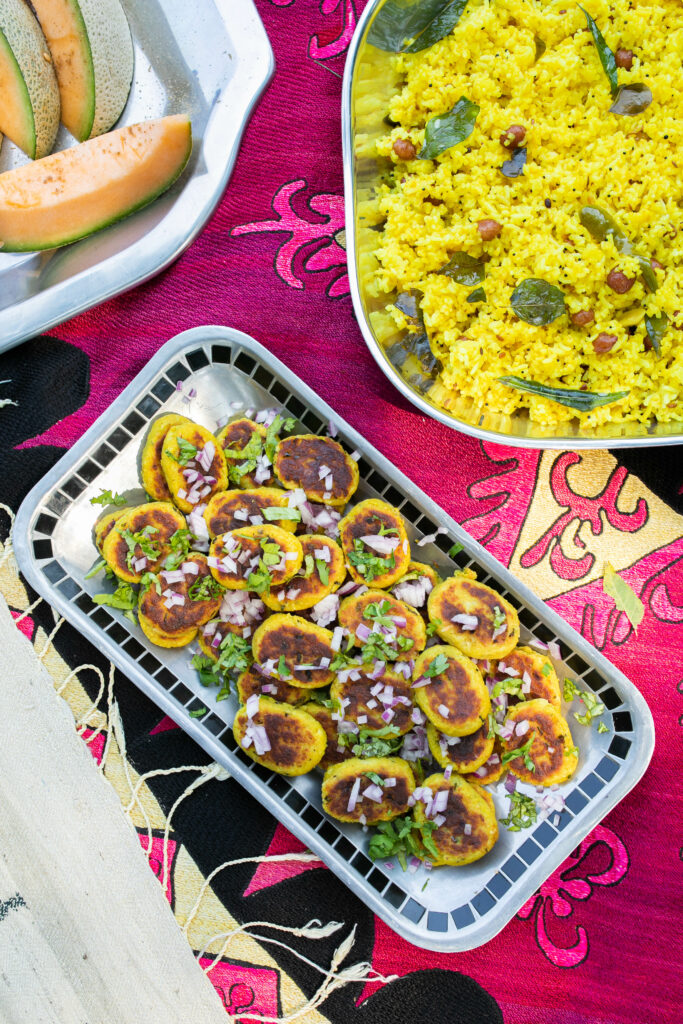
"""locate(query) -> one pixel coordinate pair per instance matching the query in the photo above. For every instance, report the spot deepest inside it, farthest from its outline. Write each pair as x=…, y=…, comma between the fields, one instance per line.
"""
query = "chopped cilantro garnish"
x=402, y=837
x=571, y=750
x=150, y=579
x=260, y=580
x=124, y=598
x=180, y=548
x=602, y=727
x=206, y=668
x=186, y=452
x=369, y=564
x=282, y=670
x=436, y=667
x=512, y=685
x=142, y=540
x=594, y=708
x=273, y=434
x=275, y=512
x=373, y=742
x=499, y=617
x=204, y=588
x=570, y=689
x=309, y=566
x=425, y=885
x=342, y=660
x=97, y=568
x=376, y=648
x=433, y=626
x=323, y=571
x=247, y=456
x=234, y=654
x=547, y=669
x=378, y=612
x=510, y=755
x=522, y=812
x=455, y=550
x=198, y=712
x=374, y=777
x=107, y=498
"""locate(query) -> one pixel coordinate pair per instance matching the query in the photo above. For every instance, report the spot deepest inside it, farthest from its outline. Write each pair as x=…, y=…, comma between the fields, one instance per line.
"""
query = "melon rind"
x=94, y=60
x=30, y=106
x=71, y=194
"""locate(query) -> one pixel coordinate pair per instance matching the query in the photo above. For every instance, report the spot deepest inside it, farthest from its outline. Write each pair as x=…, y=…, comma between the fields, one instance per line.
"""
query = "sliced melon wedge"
x=92, y=52
x=71, y=194
x=29, y=95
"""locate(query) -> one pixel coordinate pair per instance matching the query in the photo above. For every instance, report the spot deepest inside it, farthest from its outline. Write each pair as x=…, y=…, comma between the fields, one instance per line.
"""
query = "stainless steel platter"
x=369, y=84
x=210, y=59
x=461, y=907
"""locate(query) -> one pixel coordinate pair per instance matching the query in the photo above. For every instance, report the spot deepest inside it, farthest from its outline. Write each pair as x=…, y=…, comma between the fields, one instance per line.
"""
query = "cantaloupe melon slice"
x=92, y=52
x=29, y=96
x=71, y=194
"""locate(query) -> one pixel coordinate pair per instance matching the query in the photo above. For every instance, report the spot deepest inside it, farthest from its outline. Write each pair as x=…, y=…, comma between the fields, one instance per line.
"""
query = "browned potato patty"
x=545, y=734
x=255, y=558
x=234, y=438
x=485, y=626
x=151, y=473
x=470, y=828
x=319, y=466
x=290, y=647
x=345, y=789
x=280, y=737
x=149, y=527
x=463, y=753
x=160, y=610
x=229, y=510
x=336, y=751
x=455, y=698
x=416, y=585
x=254, y=682
x=538, y=674
x=375, y=543
x=190, y=480
x=377, y=612
x=322, y=572
x=364, y=700
x=105, y=524
x=491, y=770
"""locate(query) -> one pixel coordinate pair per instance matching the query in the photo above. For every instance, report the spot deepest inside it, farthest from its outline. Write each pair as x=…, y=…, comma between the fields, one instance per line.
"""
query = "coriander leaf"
x=378, y=611
x=631, y=100
x=447, y=130
x=537, y=302
x=514, y=167
x=437, y=666
x=124, y=598
x=570, y=689
x=234, y=654
x=571, y=750
x=369, y=564
x=594, y=708
x=282, y=669
x=400, y=837
x=180, y=548
x=97, y=568
x=602, y=727
x=523, y=752
x=582, y=401
x=323, y=571
x=546, y=670
x=511, y=685
x=626, y=600
x=204, y=589
x=198, y=712
x=143, y=540
x=433, y=626
x=606, y=56
x=259, y=580
x=522, y=812
x=107, y=498
x=208, y=672
x=464, y=269
x=275, y=512
x=499, y=617
x=150, y=579
x=374, y=777
x=272, y=438
x=375, y=742
x=656, y=329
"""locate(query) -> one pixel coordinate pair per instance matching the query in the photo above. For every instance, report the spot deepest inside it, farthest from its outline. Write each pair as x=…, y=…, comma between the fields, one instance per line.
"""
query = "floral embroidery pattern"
x=553, y=898
x=317, y=244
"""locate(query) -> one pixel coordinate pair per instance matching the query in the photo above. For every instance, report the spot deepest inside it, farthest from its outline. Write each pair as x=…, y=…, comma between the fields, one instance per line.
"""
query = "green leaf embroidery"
x=625, y=599
x=607, y=58
x=537, y=302
x=447, y=130
x=582, y=401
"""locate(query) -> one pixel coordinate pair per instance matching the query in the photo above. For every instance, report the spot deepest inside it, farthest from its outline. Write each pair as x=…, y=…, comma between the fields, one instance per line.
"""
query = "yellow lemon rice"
x=578, y=154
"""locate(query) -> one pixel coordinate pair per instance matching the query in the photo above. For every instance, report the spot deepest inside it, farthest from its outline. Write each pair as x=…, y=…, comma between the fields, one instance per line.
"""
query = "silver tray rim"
x=147, y=257
x=485, y=928
x=496, y=437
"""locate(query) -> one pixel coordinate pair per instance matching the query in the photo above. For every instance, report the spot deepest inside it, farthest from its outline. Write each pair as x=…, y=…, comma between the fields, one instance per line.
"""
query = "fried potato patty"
x=234, y=439
x=463, y=753
x=538, y=673
x=164, y=618
x=367, y=534
x=280, y=737
x=335, y=751
x=345, y=788
x=255, y=558
x=229, y=510
x=141, y=535
x=486, y=626
x=366, y=699
x=491, y=770
x=296, y=650
x=251, y=681
x=399, y=625
x=189, y=482
x=322, y=572
x=545, y=733
x=317, y=465
x=105, y=524
x=151, y=473
x=455, y=698
x=470, y=829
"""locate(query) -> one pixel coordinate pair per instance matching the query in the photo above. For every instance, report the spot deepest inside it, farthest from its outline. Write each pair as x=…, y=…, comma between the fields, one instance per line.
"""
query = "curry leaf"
x=582, y=401
x=464, y=269
x=605, y=54
x=656, y=329
x=541, y=47
x=631, y=100
x=625, y=599
x=424, y=23
x=447, y=130
x=514, y=167
x=537, y=302
x=478, y=295
x=439, y=27
x=602, y=225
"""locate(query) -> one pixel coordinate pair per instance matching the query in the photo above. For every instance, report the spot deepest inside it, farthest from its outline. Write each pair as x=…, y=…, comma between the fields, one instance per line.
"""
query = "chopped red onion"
x=182, y=493
x=268, y=688
x=480, y=772
x=210, y=628
x=293, y=593
x=554, y=650
x=403, y=669
x=209, y=479
x=440, y=802
x=190, y=475
x=348, y=587
x=447, y=772
x=399, y=620
x=258, y=521
x=509, y=671
x=374, y=793
x=323, y=471
x=337, y=637
x=189, y=568
x=538, y=644
x=327, y=495
x=522, y=728
x=510, y=783
x=353, y=797
x=387, y=715
x=363, y=632
x=290, y=556
x=323, y=554
x=431, y=537
x=443, y=710
x=417, y=717
x=241, y=515
x=325, y=612
x=217, y=640
x=355, y=455
x=467, y=829
x=413, y=592
x=252, y=705
x=377, y=670
x=468, y=622
x=499, y=632
x=222, y=422
x=494, y=759
x=140, y=563
x=362, y=719
x=382, y=545
x=372, y=703
x=261, y=741
x=422, y=681
x=229, y=564
x=179, y=386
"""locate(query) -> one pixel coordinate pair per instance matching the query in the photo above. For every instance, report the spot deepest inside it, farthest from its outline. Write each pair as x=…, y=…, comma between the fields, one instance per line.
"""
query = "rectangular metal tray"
x=461, y=907
x=210, y=59
x=369, y=84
